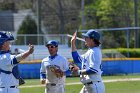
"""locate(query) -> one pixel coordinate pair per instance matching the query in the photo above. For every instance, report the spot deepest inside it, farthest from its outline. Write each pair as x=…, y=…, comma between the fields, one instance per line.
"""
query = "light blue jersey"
x=7, y=62
x=92, y=60
x=60, y=62
x=54, y=84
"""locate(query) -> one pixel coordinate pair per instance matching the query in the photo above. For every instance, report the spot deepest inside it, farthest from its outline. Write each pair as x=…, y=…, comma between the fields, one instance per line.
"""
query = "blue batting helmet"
x=92, y=34
x=5, y=36
x=52, y=42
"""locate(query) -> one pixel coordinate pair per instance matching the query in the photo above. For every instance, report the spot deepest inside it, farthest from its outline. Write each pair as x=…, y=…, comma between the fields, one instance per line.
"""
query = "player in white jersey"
x=54, y=84
x=8, y=82
x=90, y=72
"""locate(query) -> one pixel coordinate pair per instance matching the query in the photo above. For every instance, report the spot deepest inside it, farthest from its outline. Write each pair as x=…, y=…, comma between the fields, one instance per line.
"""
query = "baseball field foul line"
x=106, y=81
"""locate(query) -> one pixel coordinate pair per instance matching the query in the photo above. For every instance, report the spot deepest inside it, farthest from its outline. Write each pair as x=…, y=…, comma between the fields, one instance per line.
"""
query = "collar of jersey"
x=3, y=52
x=52, y=57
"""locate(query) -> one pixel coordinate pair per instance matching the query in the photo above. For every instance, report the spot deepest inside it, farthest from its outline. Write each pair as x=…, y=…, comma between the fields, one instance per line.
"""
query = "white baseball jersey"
x=60, y=62
x=8, y=83
x=92, y=60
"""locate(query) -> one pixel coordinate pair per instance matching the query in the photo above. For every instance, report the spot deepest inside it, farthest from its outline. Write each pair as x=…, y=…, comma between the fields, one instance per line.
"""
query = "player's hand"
x=73, y=39
x=31, y=49
x=43, y=81
x=74, y=73
x=74, y=69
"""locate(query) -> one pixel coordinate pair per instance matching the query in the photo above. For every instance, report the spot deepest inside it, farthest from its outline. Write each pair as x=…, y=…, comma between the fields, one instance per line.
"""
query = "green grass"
x=32, y=90
x=111, y=87
x=123, y=87
x=121, y=77
x=73, y=88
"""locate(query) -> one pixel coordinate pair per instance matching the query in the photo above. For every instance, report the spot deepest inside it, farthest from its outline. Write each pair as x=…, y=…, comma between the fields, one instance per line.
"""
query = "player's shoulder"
x=7, y=56
x=61, y=57
x=95, y=49
x=45, y=59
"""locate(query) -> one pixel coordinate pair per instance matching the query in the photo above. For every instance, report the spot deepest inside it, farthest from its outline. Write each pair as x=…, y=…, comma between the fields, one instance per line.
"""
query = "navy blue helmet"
x=5, y=36
x=52, y=42
x=92, y=34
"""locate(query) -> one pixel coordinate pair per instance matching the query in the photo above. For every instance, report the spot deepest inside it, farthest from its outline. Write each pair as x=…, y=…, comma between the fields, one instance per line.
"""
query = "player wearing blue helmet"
x=90, y=72
x=53, y=68
x=8, y=80
x=52, y=42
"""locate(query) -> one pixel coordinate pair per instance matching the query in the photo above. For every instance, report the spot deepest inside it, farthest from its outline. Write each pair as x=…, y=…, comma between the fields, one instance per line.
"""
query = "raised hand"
x=31, y=49
x=73, y=39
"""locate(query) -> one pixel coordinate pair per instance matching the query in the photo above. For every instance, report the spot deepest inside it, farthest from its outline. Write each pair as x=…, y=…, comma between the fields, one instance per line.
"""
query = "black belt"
x=10, y=87
x=52, y=84
x=88, y=83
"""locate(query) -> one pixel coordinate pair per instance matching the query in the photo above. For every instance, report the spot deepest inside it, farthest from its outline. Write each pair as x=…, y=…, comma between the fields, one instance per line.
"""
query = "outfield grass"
x=111, y=87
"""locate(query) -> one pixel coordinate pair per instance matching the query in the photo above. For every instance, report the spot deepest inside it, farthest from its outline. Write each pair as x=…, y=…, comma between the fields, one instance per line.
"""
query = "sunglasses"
x=50, y=46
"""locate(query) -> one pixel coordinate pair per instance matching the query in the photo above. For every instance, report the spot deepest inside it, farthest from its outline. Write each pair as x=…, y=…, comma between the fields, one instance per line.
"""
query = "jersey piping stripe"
x=93, y=69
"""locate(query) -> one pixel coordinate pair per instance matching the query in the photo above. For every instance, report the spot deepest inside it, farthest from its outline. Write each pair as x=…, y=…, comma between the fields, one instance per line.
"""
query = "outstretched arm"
x=24, y=55
x=73, y=40
x=75, y=55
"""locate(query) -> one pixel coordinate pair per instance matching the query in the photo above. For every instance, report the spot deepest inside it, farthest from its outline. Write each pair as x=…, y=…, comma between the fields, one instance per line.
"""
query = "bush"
x=128, y=52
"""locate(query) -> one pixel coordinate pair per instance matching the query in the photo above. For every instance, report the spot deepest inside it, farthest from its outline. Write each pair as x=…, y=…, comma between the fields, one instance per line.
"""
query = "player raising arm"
x=90, y=72
x=8, y=78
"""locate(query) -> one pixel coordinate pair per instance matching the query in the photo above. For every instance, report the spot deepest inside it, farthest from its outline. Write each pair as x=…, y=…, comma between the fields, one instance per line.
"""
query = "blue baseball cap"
x=92, y=34
x=52, y=42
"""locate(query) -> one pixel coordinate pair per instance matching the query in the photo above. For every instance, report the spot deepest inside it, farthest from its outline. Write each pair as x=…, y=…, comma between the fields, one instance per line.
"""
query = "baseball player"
x=8, y=82
x=53, y=68
x=90, y=72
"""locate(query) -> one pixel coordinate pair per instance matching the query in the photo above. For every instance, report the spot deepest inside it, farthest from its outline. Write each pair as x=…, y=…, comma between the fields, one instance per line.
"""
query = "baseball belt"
x=88, y=83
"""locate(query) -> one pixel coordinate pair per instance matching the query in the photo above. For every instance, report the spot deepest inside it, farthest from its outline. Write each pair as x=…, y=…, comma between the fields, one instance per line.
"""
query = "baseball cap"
x=52, y=42
x=92, y=34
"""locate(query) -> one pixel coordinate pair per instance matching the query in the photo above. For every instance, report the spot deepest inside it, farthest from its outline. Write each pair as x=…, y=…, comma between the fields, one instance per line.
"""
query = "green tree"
x=110, y=14
x=28, y=27
x=7, y=6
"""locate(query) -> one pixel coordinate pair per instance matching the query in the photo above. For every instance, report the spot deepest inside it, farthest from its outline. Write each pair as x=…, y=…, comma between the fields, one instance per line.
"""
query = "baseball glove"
x=57, y=71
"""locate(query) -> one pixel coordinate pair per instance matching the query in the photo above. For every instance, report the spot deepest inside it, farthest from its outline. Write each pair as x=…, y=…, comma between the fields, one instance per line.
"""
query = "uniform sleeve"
x=76, y=57
x=14, y=60
x=42, y=71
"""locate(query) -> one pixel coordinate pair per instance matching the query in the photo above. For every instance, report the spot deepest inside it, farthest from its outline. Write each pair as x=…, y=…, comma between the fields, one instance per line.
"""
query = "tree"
x=110, y=14
x=59, y=15
x=28, y=27
x=7, y=6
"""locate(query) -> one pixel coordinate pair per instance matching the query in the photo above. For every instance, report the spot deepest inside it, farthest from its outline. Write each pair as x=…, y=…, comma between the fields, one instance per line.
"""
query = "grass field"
x=34, y=86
